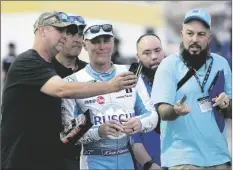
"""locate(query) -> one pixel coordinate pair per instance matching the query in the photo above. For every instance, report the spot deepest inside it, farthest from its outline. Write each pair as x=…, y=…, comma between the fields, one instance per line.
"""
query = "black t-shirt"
x=70, y=151
x=63, y=71
x=31, y=120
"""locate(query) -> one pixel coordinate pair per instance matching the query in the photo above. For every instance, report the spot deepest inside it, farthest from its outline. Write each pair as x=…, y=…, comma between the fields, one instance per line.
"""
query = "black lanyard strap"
x=206, y=76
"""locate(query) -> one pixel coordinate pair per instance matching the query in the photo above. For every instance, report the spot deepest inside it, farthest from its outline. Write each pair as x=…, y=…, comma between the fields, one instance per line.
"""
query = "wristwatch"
x=147, y=165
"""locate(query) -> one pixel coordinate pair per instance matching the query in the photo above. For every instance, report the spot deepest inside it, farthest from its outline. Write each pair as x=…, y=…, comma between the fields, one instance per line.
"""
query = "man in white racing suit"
x=115, y=116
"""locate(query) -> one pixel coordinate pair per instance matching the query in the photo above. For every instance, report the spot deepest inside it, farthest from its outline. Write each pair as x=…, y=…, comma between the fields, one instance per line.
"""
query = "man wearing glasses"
x=31, y=111
x=104, y=146
x=66, y=63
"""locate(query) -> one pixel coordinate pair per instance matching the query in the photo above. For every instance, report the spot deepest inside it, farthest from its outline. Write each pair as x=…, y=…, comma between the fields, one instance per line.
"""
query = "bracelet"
x=147, y=165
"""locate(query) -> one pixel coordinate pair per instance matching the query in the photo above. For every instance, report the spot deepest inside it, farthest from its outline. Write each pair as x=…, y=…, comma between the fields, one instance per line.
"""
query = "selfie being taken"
x=99, y=85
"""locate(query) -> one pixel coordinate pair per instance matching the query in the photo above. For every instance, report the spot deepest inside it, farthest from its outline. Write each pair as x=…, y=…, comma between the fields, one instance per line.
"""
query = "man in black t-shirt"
x=31, y=113
x=66, y=63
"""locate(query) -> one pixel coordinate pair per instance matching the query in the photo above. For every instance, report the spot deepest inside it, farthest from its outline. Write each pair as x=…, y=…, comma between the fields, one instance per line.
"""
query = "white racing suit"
x=109, y=152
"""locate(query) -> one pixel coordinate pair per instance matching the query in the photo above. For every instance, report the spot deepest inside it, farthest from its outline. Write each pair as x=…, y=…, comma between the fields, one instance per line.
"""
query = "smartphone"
x=136, y=68
x=183, y=99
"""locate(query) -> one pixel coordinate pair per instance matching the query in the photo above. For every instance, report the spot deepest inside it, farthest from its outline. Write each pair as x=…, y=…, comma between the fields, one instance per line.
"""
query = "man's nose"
x=101, y=44
x=154, y=56
x=195, y=38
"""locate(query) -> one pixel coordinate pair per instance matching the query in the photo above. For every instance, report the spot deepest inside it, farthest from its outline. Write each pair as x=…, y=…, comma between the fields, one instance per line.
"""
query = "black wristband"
x=147, y=165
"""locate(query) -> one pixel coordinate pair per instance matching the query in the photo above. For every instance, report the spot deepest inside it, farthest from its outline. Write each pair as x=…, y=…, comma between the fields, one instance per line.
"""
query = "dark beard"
x=148, y=74
x=196, y=61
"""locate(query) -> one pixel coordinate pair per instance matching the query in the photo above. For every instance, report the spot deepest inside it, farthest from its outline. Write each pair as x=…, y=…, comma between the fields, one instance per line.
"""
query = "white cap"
x=88, y=35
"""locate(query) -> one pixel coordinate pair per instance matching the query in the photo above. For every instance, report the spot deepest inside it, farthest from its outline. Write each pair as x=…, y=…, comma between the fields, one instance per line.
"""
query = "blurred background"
x=130, y=19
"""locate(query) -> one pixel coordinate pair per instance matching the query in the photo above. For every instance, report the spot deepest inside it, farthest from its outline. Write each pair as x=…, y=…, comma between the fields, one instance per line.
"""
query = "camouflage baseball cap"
x=53, y=18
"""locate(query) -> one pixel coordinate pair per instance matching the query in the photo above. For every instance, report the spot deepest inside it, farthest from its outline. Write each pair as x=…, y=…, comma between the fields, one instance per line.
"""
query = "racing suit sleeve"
x=144, y=108
x=70, y=112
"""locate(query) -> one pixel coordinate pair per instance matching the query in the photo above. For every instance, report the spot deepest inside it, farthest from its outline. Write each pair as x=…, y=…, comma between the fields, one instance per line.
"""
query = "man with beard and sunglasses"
x=66, y=63
x=192, y=132
x=105, y=145
x=31, y=104
x=146, y=147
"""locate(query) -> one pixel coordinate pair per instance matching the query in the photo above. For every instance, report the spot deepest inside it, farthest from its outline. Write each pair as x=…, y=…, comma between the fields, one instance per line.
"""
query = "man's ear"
x=210, y=37
x=84, y=44
x=181, y=33
x=138, y=58
x=41, y=31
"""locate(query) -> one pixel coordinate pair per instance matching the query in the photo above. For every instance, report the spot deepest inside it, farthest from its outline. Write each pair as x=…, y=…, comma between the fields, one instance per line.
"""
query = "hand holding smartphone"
x=136, y=68
x=183, y=99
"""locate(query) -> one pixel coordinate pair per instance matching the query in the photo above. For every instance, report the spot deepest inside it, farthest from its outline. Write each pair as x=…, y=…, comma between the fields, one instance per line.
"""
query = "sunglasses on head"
x=61, y=16
x=78, y=19
x=96, y=28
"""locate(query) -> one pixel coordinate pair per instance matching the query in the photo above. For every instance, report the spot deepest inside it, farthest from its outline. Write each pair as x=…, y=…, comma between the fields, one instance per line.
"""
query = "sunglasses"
x=96, y=28
x=78, y=19
x=61, y=16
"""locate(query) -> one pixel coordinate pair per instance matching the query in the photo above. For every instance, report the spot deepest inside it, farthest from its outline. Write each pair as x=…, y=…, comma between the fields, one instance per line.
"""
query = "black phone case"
x=135, y=68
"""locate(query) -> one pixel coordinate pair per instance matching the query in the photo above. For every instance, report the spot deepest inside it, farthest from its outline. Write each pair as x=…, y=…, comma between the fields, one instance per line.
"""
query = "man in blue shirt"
x=147, y=146
x=191, y=137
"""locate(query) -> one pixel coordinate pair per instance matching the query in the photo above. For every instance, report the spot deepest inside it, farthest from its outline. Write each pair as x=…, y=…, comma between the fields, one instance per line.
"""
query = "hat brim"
x=188, y=19
x=63, y=24
x=90, y=36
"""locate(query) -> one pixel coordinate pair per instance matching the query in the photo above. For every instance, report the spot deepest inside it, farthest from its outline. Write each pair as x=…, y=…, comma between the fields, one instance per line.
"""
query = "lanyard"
x=206, y=76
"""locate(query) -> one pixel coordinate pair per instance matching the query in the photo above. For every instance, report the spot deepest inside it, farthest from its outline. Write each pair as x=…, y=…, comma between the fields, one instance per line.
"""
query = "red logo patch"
x=100, y=100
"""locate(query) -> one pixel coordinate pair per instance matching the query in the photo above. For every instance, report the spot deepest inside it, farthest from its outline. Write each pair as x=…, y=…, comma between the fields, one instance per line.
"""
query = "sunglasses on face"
x=96, y=28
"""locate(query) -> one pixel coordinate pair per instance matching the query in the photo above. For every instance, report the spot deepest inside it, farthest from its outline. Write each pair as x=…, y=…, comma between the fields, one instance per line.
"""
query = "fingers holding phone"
x=181, y=108
x=136, y=68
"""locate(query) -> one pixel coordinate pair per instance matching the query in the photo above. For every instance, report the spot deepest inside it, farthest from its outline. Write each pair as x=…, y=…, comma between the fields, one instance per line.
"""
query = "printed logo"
x=128, y=90
x=100, y=100
x=90, y=101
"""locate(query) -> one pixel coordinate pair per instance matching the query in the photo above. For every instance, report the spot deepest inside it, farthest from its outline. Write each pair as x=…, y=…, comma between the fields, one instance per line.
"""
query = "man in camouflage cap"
x=31, y=124
x=52, y=19
x=51, y=28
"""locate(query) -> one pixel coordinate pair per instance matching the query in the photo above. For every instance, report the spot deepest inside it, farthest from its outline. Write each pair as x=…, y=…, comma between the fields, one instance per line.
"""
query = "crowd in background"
x=222, y=48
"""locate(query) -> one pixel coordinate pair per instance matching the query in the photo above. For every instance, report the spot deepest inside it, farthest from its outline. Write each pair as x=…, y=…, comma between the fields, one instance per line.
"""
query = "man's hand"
x=124, y=80
x=131, y=125
x=181, y=109
x=222, y=101
x=112, y=128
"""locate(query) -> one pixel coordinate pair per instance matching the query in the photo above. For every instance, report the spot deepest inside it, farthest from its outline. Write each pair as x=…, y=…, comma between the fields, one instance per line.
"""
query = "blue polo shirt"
x=194, y=138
